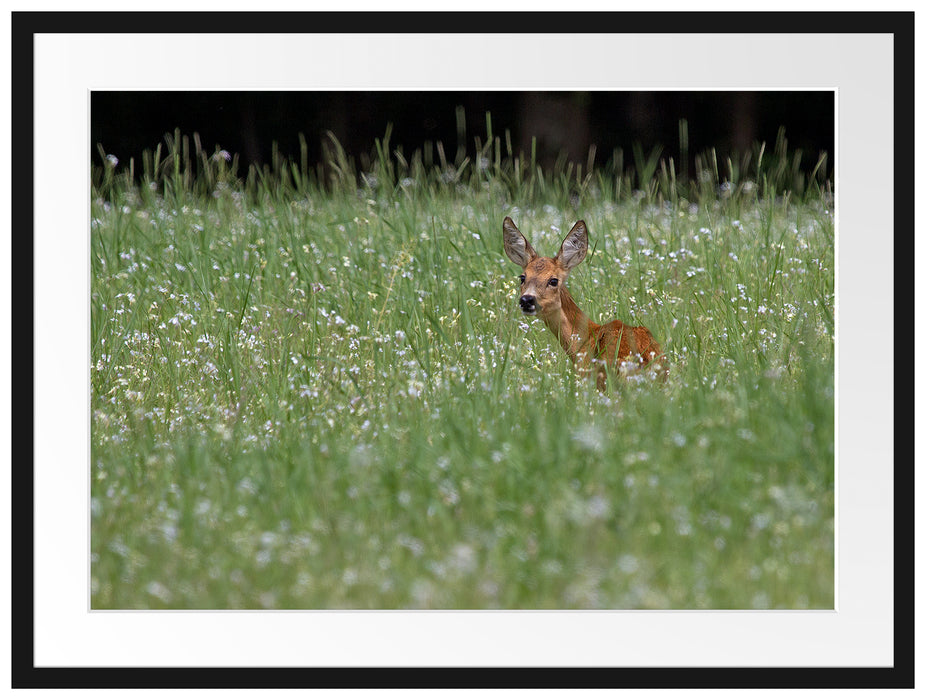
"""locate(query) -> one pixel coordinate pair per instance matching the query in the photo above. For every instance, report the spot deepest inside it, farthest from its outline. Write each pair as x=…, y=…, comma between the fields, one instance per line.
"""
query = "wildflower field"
x=313, y=387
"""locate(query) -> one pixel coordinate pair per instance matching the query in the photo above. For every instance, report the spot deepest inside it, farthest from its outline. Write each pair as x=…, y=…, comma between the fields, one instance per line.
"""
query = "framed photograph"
x=311, y=393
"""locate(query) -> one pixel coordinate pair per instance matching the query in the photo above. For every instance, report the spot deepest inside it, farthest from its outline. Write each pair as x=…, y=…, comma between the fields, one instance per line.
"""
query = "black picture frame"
x=25, y=673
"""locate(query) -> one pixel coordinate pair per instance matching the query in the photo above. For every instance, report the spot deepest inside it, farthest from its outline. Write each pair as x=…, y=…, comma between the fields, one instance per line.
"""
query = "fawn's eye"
x=522, y=279
x=553, y=282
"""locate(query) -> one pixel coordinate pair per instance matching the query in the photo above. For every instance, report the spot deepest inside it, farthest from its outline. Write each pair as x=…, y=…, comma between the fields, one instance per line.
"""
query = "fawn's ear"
x=574, y=247
x=516, y=246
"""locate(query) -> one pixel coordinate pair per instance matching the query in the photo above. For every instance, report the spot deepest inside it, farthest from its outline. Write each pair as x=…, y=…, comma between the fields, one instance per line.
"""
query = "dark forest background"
x=248, y=124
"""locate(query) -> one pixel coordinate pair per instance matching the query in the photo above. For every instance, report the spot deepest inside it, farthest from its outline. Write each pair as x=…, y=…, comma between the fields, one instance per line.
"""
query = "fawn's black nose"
x=528, y=304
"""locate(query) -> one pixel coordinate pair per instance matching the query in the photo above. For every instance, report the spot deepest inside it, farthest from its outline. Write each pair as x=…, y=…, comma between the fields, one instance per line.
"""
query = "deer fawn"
x=544, y=294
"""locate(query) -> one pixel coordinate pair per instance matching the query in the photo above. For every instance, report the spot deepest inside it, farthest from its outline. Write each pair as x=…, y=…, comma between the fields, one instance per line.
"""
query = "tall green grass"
x=311, y=387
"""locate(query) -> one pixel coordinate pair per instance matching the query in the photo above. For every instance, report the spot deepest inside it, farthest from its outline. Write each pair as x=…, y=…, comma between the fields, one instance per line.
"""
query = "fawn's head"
x=543, y=278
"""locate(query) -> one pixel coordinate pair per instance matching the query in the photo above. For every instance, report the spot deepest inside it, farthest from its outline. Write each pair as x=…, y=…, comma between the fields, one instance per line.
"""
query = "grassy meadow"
x=313, y=387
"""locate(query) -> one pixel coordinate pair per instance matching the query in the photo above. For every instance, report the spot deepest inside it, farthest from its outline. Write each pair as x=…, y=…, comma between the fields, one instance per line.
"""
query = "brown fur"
x=605, y=347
